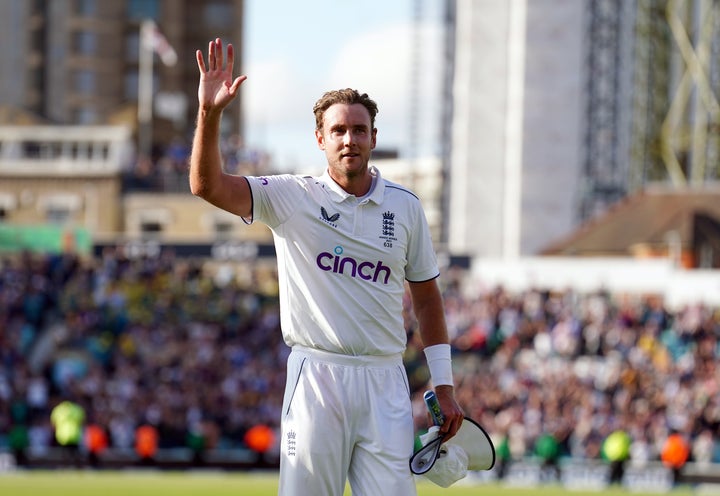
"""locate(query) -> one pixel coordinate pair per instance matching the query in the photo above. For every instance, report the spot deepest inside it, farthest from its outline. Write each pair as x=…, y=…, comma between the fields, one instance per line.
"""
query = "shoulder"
x=400, y=198
x=393, y=188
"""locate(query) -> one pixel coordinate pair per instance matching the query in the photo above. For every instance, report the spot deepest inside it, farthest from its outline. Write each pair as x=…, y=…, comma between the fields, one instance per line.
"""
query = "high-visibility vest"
x=67, y=418
x=675, y=451
x=146, y=441
x=95, y=438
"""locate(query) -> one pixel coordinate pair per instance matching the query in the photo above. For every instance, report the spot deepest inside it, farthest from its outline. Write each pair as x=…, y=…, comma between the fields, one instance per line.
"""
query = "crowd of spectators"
x=578, y=367
x=175, y=344
x=167, y=170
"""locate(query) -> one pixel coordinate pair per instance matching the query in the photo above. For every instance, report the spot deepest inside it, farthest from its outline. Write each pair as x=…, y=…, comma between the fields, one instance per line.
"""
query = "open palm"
x=217, y=87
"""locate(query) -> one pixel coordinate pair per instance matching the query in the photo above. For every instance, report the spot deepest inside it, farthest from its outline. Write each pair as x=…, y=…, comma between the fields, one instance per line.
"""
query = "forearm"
x=430, y=315
x=429, y=310
x=205, y=158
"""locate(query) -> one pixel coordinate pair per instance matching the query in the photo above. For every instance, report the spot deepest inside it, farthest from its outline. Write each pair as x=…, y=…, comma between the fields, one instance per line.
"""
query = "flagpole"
x=145, y=88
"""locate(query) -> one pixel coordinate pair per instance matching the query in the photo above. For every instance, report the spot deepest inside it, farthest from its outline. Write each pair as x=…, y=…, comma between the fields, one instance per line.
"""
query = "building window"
x=707, y=257
x=218, y=15
x=85, y=43
x=153, y=222
x=138, y=10
x=58, y=215
x=60, y=208
x=150, y=228
x=86, y=115
x=87, y=8
x=132, y=47
x=223, y=230
x=7, y=203
x=131, y=85
x=85, y=81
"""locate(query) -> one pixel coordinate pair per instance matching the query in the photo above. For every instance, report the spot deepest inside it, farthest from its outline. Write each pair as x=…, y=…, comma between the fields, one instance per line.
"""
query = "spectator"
x=146, y=443
x=96, y=442
x=162, y=335
x=68, y=419
x=675, y=453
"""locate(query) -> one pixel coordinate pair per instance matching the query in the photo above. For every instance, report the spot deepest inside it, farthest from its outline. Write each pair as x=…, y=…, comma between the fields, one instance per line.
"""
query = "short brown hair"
x=347, y=96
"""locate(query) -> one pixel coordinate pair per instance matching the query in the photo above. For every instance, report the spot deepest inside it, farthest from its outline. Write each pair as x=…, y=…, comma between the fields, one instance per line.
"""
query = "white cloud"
x=271, y=93
x=381, y=64
x=279, y=93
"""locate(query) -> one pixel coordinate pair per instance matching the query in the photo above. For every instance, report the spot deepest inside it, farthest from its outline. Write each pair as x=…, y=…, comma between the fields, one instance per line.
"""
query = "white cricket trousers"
x=346, y=418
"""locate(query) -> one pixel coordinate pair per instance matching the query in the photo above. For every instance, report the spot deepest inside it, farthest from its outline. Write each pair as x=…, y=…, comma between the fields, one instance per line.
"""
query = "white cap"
x=451, y=466
x=470, y=449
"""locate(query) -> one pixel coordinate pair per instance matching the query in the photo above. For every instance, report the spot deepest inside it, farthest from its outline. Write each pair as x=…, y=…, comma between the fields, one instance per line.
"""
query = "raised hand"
x=217, y=87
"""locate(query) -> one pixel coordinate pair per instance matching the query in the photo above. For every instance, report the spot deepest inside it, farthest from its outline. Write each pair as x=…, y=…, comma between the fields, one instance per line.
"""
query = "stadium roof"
x=652, y=219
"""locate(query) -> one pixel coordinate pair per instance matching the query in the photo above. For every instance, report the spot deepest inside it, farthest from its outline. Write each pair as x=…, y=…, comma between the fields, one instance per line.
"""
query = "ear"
x=373, y=140
x=320, y=139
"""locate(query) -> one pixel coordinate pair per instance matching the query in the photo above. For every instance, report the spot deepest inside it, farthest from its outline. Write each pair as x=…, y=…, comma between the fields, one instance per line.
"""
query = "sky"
x=296, y=50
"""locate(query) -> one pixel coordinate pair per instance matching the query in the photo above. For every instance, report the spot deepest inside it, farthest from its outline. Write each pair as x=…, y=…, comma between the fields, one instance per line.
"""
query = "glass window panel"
x=143, y=9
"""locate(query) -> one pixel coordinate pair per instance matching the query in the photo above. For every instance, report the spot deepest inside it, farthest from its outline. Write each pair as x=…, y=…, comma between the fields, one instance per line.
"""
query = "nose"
x=348, y=138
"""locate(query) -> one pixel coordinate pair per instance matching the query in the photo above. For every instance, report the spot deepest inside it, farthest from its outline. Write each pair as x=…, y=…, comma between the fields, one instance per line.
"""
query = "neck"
x=357, y=185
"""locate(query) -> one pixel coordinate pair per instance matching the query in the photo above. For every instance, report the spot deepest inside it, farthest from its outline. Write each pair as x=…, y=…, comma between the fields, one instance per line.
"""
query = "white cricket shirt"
x=342, y=262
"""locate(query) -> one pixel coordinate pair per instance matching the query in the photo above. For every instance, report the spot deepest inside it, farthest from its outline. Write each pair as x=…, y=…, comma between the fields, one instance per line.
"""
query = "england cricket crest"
x=387, y=231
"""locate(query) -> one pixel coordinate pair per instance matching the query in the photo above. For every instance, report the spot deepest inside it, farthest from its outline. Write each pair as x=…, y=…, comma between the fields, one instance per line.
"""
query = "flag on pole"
x=153, y=39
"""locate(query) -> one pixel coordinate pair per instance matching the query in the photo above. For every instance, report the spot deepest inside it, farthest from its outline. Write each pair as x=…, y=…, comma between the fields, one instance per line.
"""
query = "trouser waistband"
x=354, y=360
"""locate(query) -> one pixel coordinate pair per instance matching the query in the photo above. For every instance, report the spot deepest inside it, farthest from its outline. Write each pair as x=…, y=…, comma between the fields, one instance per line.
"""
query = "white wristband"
x=439, y=363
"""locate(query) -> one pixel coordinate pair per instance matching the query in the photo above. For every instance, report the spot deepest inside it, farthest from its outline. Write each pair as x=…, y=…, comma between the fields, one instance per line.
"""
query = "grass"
x=192, y=483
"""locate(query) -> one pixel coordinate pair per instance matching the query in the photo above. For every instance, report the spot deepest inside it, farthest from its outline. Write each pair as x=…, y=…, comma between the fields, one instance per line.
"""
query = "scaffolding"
x=607, y=90
x=677, y=77
x=667, y=113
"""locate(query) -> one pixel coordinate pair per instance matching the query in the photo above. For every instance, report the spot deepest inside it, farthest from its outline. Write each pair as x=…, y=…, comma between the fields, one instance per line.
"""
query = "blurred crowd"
x=166, y=171
x=197, y=354
x=137, y=342
x=577, y=368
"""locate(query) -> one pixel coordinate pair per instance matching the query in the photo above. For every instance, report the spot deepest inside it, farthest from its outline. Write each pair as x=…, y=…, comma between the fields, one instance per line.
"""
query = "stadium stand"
x=165, y=342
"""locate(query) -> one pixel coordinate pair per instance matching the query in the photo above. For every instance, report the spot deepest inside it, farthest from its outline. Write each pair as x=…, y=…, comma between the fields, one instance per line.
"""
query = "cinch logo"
x=368, y=271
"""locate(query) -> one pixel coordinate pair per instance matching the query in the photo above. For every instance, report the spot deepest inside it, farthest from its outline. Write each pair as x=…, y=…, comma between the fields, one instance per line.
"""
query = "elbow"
x=199, y=188
x=196, y=188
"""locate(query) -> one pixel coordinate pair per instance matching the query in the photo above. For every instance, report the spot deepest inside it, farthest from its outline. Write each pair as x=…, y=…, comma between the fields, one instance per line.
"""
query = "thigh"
x=380, y=460
x=314, y=445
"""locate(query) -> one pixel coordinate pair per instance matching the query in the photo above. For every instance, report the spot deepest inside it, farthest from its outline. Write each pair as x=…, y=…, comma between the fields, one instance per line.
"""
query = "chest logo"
x=330, y=219
x=388, y=229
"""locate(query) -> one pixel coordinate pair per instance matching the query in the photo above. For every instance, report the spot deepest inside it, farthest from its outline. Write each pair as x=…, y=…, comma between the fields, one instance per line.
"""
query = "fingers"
x=455, y=425
x=200, y=61
x=236, y=84
x=452, y=423
x=230, y=57
x=454, y=415
x=216, y=57
x=212, y=58
x=218, y=54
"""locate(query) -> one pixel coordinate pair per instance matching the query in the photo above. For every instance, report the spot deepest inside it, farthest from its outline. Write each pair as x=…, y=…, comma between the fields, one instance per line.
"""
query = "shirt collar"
x=339, y=195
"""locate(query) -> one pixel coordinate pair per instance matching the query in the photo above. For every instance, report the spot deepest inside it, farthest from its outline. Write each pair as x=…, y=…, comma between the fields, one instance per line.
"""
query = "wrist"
x=208, y=113
x=440, y=364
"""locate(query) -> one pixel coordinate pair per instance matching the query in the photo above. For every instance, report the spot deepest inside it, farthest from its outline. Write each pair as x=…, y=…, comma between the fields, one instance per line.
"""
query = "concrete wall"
x=518, y=100
x=618, y=275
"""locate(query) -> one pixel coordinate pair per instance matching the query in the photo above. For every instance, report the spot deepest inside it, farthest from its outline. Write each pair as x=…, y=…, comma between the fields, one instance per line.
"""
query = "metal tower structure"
x=607, y=89
x=651, y=95
x=677, y=78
